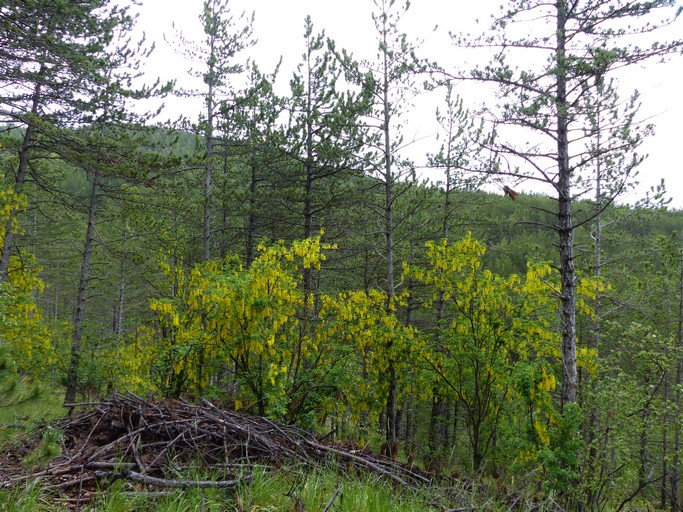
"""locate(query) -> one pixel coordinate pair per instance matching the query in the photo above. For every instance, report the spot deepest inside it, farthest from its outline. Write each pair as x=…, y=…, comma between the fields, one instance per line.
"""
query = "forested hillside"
x=281, y=255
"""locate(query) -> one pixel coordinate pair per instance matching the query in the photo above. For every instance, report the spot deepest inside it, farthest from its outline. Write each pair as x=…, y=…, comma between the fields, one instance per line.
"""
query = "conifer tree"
x=109, y=146
x=323, y=135
x=543, y=123
x=52, y=61
x=224, y=39
x=391, y=78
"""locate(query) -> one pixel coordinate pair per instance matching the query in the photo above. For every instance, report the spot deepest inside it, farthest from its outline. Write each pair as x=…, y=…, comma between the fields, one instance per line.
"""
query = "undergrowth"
x=285, y=489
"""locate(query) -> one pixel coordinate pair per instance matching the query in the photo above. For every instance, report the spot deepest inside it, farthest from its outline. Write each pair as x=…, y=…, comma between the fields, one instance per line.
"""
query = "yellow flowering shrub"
x=21, y=321
x=495, y=345
x=251, y=327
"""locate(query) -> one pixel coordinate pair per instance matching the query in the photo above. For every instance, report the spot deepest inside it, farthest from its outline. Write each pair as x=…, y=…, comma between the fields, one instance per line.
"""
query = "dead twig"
x=332, y=498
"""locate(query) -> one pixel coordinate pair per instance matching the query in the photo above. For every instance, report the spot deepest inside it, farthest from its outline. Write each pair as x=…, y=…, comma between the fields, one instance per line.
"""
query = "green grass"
x=281, y=490
x=20, y=418
x=28, y=498
x=284, y=489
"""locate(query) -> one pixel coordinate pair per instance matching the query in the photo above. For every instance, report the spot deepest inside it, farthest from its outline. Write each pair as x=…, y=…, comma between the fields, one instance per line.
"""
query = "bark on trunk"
x=565, y=226
x=389, y=242
x=675, y=474
x=121, y=299
x=308, y=222
x=208, y=170
x=436, y=439
x=594, y=417
x=223, y=245
x=251, y=221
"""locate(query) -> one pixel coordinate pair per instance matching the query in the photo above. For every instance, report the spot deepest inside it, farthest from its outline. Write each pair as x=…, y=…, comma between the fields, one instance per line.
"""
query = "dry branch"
x=165, y=482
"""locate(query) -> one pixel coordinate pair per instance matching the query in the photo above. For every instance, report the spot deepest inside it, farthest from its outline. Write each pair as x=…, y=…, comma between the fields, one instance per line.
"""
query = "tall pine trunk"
x=121, y=296
x=391, y=404
x=250, y=239
x=208, y=170
x=675, y=474
x=565, y=225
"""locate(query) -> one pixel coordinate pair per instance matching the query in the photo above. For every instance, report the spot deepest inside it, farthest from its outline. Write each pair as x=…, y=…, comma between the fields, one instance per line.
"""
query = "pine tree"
x=109, y=146
x=323, y=135
x=51, y=62
x=391, y=79
x=575, y=47
x=224, y=39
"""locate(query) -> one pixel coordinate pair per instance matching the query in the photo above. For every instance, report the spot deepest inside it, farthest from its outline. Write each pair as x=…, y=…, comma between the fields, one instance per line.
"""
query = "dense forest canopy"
x=281, y=252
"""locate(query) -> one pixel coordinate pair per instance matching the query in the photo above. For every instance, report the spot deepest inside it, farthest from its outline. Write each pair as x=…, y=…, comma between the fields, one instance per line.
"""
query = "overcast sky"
x=279, y=29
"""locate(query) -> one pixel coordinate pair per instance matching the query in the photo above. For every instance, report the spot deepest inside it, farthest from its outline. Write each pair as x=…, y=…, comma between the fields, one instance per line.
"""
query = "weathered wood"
x=182, y=484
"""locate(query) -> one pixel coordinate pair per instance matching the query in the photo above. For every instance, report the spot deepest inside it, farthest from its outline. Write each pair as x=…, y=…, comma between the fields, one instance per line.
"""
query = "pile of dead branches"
x=128, y=437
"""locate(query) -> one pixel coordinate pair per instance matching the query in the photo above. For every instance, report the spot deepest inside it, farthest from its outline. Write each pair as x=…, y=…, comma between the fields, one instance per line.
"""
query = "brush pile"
x=155, y=444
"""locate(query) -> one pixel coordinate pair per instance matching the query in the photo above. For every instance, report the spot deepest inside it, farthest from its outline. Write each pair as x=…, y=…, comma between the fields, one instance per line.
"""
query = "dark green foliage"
x=560, y=460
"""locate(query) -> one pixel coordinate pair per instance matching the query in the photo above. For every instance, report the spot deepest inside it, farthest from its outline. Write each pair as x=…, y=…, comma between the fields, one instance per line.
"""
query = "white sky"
x=279, y=30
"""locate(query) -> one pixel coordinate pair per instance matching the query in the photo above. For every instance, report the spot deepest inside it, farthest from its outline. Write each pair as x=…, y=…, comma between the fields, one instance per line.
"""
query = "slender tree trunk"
x=251, y=219
x=55, y=318
x=447, y=200
x=409, y=428
x=594, y=417
x=208, y=170
x=81, y=298
x=456, y=413
x=565, y=226
x=309, y=166
x=436, y=423
x=208, y=177
x=389, y=243
x=388, y=197
x=120, y=303
x=308, y=222
x=391, y=371
x=476, y=444
x=597, y=269
x=21, y=175
x=675, y=475
x=224, y=240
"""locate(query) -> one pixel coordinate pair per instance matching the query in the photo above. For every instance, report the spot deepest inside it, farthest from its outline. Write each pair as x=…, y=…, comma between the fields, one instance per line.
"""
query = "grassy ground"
x=20, y=418
x=284, y=490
